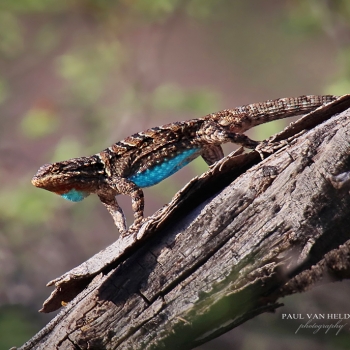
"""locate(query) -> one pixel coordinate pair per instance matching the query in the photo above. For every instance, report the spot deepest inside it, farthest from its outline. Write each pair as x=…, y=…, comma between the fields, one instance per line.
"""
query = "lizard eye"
x=55, y=170
x=52, y=168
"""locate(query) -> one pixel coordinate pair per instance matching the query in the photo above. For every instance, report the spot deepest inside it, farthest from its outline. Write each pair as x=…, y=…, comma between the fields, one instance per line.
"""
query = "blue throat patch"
x=166, y=168
x=74, y=195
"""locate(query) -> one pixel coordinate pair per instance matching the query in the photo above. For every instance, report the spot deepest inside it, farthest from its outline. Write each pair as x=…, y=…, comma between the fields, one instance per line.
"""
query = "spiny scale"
x=148, y=157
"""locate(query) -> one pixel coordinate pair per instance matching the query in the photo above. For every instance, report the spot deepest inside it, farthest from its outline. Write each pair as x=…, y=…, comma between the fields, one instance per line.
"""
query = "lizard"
x=148, y=157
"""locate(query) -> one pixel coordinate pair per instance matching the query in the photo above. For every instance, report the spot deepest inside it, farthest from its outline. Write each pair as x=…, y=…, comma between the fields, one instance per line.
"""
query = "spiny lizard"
x=148, y=157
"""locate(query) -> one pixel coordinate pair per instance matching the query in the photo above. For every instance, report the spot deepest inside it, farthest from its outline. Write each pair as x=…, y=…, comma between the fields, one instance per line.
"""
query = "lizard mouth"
x=40, y=178
x=37, y=181
x=47, y=178
x=71, y=194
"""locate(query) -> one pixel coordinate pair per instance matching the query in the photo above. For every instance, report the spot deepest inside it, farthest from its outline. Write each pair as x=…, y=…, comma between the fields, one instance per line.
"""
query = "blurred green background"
x=77, y=76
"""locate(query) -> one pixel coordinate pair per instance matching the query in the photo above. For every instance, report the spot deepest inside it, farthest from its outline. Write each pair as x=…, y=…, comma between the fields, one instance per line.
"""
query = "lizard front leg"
x=124, y=186
x=110, y=202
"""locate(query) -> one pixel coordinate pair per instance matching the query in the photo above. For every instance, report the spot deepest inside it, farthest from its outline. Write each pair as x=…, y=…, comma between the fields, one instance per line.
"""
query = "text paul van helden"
x=319, y=322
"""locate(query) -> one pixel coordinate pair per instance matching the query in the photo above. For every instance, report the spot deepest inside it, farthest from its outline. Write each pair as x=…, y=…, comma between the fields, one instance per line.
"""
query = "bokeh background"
x=77, y=76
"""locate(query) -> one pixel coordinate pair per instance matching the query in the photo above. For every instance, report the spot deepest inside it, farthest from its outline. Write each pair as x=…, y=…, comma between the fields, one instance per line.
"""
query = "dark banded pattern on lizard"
x=146, y=158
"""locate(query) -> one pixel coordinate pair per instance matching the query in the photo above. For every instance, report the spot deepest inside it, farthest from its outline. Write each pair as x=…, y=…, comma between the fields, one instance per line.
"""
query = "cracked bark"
x=229, y=245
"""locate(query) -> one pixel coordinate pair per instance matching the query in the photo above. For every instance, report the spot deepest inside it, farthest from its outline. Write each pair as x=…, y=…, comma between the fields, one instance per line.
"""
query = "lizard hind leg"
x=214, y=133
x=243, y=140
x=212, y=154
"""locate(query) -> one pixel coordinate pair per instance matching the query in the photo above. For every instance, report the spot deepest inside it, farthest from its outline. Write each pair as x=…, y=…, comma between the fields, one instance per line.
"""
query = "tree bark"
x=229, y=245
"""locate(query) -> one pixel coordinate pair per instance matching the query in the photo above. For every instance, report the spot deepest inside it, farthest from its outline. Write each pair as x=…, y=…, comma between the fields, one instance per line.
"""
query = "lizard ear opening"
x=74, y=195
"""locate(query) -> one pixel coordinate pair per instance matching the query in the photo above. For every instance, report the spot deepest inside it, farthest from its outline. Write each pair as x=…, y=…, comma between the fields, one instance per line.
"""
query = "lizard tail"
x=245, y=117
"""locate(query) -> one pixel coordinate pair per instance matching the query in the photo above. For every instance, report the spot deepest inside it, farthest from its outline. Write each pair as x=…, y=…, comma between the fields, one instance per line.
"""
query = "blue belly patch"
x=166, y=168
x=74, y=195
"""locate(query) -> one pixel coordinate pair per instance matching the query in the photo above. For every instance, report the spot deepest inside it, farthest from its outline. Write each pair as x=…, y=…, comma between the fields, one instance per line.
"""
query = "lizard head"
x=73, y=179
